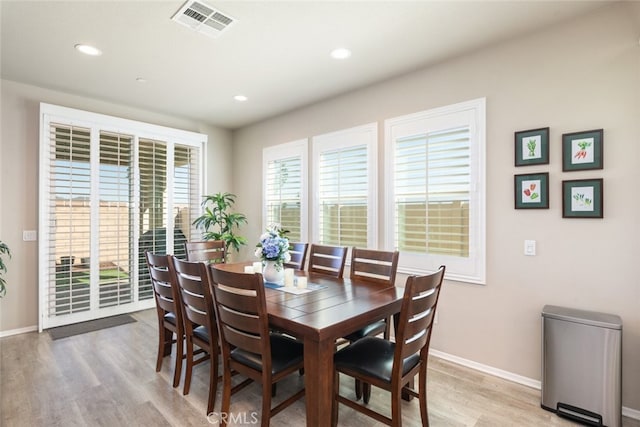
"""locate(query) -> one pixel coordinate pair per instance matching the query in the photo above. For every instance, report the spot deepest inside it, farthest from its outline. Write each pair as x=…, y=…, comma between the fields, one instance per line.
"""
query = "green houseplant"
x=4, y=251
x=219, y=223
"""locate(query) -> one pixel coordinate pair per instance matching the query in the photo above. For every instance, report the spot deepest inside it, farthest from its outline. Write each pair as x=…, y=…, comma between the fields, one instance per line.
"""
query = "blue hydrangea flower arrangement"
x=273, y=246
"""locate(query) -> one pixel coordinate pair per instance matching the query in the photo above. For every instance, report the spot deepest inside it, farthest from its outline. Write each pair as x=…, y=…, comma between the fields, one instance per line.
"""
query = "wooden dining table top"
x=319, y=318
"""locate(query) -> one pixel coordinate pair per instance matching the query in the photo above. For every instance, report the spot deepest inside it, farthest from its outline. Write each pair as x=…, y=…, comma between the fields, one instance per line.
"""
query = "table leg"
x=318, y=372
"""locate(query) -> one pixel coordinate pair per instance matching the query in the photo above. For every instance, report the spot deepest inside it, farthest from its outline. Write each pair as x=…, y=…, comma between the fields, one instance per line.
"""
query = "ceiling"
x=276, y=53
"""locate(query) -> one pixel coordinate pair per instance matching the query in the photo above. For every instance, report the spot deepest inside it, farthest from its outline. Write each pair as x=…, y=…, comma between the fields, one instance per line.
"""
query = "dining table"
x=328, y=309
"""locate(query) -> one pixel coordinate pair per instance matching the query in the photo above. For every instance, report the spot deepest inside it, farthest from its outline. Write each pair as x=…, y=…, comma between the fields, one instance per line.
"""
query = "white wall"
x=581, y=75
x=19, y=147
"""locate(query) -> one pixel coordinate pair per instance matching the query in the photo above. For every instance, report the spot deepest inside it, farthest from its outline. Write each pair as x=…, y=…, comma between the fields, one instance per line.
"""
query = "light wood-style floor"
x=108, y=378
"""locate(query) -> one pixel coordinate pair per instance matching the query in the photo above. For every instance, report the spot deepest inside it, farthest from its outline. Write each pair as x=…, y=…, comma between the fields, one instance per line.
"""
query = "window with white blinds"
x=435, y=190
x=110, y=189
x=285, y=188
x=114, y=225
x=345, y=181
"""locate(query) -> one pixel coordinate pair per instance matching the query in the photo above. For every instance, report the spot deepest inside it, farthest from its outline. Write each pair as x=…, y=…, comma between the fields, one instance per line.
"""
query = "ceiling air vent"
x=203, y=18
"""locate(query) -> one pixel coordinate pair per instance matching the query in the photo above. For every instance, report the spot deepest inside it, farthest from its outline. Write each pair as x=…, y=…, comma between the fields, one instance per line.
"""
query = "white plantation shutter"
x=69, y=188
x=114, y=222
x=435, y=190
x=186, y=196
x=345, y=187
x=431, y=186
x=285, y=188
x=110, y=189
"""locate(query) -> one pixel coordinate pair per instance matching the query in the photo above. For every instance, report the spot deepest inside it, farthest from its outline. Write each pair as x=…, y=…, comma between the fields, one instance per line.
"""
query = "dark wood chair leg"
x=189, y=368
x=358, y=388
x=213, y=380
x=266, y=404
x=177, y=371
x=273, y=390
x=366, y=392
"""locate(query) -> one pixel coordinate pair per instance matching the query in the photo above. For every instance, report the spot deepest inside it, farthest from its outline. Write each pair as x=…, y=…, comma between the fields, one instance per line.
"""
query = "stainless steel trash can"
x=582, y=365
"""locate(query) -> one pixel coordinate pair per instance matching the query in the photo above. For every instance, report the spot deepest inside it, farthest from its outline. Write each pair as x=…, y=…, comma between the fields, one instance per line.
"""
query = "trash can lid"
x=593, y=318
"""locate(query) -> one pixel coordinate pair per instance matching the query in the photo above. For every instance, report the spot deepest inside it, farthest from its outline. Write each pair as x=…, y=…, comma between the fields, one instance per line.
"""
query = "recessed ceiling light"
x=141, y=80
x=88, y=50
x=340, y=53
x=240, y=98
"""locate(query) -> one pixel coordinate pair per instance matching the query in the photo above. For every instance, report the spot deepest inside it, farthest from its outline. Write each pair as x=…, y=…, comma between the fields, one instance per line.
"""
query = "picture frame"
x=531, y=191
x=582, y=198
x=532, y=147
x=582, y=150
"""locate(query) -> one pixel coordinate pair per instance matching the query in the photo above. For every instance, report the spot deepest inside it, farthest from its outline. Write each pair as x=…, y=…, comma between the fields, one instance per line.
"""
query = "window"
x=345, y=178
x=435, y=190
x=110, y=189
x=285, y=188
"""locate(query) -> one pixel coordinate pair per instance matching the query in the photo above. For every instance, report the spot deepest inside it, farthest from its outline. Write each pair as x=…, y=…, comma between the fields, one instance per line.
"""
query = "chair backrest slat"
x=416, y=317
x=298, y=252
x=328, y=260
x=374, y=266
x=210, y=251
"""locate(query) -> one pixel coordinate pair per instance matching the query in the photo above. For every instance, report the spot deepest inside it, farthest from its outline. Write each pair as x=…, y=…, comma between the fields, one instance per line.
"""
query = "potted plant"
x=4, y=250
x=219, y=223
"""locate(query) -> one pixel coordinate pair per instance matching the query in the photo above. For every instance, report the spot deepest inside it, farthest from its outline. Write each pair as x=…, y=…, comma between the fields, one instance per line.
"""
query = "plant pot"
x=272, y=273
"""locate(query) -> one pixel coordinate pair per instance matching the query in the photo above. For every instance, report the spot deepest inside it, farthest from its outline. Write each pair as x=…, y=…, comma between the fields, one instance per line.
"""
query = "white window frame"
x=50, y=114
x=473, y=268
x=357, y=136
x=285, y=151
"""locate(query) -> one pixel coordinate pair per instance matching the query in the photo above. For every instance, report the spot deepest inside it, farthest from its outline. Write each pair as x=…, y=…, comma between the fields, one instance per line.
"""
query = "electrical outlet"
x=29, y=235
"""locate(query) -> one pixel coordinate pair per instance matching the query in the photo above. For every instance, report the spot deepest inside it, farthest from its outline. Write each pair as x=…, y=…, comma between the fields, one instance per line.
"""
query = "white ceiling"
x=277, y=53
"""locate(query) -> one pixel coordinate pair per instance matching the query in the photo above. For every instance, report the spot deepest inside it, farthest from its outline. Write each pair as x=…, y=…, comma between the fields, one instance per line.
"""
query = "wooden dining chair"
x=393, y=365
x=298, y=252
x=376, y=267
x=169, y=311
x=199, y=322
x=247, y=345
x=327, y=260
x=209, y=251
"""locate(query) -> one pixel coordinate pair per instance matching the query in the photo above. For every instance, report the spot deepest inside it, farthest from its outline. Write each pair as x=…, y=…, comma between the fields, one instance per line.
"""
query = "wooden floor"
x=108, y=378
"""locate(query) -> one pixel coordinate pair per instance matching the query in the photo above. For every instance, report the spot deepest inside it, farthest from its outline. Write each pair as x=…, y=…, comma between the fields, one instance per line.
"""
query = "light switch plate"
x=530, y=247
x=29, y=235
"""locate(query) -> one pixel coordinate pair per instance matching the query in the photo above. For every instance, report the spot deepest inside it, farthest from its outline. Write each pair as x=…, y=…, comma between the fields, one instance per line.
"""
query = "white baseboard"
x=631, y=413
x=18, y=331
x=519, y=379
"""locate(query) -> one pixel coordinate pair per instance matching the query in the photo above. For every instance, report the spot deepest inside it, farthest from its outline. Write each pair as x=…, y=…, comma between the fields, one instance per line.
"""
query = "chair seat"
x=368, y=331
x=170, y=317
x=373, y=357
x=285, y=353
x=202, y=333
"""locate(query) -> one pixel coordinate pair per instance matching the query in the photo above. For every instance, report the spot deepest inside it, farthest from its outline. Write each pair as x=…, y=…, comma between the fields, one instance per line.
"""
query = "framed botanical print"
x=532, y=191
x=582, y=198
x=532, y=147
x=582, y=150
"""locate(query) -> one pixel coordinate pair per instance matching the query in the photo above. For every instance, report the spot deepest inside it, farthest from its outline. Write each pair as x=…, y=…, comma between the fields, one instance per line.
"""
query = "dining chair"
x=328, y=260
x=199, y=322
x=393, y=365
x=248, y=347
x=169, y=311
x=379, y=267
x=210, y=251
x=298, y=252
